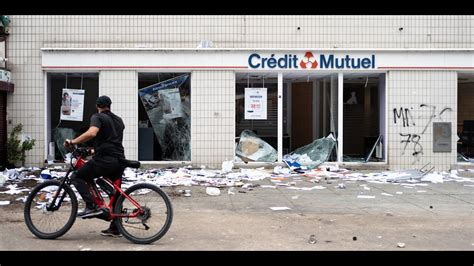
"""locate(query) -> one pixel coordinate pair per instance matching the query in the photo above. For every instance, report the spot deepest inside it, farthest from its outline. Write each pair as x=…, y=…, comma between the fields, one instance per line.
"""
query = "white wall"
x=410, y=89
x=212, y=117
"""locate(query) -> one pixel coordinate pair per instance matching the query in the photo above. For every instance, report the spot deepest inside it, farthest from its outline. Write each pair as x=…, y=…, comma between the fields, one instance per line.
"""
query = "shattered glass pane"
x=253, y=148
x=170, y=117
x=313, y=154
x=60, y=135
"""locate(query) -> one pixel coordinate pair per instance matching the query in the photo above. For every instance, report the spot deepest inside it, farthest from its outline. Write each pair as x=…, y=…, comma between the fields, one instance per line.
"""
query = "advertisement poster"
x=72, y=104
x=169, y=116
x=255, y=103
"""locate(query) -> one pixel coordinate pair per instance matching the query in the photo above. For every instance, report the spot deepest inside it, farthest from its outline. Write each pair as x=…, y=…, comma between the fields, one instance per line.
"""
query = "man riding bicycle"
x=106, y=129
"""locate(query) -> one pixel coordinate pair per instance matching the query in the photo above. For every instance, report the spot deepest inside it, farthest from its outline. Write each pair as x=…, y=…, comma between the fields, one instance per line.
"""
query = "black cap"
x=103, y=100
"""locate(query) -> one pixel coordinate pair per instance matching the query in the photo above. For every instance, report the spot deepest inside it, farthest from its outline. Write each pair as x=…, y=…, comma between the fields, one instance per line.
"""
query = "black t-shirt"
x=108, y=140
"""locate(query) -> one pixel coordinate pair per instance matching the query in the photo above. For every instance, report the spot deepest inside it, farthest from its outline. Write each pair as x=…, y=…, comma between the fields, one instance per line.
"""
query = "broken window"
x=309, y=111
x=256, y=114
x=164, y=117
x=465, y=126
x=69, y=116
x=363, y=117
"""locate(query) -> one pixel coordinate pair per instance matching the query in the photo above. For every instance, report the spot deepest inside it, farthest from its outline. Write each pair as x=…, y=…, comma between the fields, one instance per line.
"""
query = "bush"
x=16, y=148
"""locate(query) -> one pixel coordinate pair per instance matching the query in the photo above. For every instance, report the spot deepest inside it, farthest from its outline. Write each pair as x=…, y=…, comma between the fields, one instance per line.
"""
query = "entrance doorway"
x=465, y=126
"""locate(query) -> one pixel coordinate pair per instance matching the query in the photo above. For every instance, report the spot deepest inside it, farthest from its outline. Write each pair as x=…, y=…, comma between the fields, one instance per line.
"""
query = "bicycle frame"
x=97, y=197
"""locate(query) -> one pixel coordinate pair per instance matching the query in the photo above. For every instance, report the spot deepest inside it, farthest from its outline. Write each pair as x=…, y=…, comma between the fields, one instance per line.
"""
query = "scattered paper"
x=279, y=208
x=365, y=197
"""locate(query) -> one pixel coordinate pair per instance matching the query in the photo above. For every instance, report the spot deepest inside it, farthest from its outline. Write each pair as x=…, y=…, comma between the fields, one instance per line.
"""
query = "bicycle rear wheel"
x=153, y=223
x=46, y=220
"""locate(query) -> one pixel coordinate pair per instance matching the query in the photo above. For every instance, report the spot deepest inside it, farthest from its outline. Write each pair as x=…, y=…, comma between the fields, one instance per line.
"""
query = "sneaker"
x=89, y=213
x=110, y=232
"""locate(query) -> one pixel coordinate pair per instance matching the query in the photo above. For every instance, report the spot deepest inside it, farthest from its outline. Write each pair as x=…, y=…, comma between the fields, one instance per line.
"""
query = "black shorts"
x=106, y=166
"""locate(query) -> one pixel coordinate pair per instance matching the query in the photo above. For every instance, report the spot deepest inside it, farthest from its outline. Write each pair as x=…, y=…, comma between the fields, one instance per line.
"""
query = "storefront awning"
x=7, y=86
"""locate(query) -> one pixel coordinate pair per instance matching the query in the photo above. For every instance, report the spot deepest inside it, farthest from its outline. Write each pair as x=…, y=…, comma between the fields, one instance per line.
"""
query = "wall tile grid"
x=212, y=117
x=28, y=34
x=426, y=97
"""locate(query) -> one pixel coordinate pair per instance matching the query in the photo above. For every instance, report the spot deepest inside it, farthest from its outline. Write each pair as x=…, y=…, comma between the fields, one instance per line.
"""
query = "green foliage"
x=16, y=149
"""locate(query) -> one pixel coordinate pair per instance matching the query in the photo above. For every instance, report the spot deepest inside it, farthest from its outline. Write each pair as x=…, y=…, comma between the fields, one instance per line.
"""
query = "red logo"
x=308, y=61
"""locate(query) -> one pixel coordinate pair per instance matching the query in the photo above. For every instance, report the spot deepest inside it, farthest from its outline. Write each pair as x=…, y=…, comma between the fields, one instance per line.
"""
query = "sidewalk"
x=423, y=217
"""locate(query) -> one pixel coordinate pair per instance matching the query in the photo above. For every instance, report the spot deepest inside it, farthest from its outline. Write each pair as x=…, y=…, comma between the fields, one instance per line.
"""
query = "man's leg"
x=112, y=230
x=80, y=180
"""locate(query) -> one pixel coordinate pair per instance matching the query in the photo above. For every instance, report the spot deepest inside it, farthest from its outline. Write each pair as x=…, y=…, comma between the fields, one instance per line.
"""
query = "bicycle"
x=51, y=207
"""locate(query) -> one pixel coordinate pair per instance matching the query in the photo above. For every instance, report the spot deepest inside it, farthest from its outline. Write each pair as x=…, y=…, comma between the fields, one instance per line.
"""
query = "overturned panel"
x=313, y=154
x=253, y=148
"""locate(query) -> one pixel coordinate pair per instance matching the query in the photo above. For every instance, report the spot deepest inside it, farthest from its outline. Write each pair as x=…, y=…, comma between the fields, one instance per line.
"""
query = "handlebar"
x=79, y=151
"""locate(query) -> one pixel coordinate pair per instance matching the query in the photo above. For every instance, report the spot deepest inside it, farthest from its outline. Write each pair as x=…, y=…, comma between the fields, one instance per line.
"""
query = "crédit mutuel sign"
x=309, y=61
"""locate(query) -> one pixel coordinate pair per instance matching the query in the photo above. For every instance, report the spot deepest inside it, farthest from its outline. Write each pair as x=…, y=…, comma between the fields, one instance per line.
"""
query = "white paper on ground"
x=279, y=208
x=365, y=197
x=4, y=202
x=433, y=178
x=386, y=194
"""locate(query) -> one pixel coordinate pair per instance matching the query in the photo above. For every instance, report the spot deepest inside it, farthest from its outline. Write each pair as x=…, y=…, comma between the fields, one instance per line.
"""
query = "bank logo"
x=308, y=61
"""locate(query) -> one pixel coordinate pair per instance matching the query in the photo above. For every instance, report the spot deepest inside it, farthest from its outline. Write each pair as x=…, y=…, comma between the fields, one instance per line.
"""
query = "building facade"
x=394, y=90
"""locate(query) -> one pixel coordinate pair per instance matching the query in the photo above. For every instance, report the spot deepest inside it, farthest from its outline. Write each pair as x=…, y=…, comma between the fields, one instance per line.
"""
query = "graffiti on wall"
x=408, y=118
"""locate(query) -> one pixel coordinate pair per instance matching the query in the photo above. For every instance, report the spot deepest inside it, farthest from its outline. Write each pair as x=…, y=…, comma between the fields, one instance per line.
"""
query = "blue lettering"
x=250, y=60
x=282, y=62
x=366, y=63
x=326, y=64
x=295, y=62
x=272, y=61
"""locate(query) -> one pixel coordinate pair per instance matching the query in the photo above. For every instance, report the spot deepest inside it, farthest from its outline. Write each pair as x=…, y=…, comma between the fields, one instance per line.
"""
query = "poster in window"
x=255, y=103
x=72, y=104
x=169, y=115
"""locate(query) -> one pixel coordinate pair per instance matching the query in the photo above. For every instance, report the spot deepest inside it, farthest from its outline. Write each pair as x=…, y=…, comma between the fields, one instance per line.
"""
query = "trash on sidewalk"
x=312, y=239
x=386, y=194
x=253, y=148
x=365, y=197
x=3, y=178
x=213, y=191
x=279, y=208
x=267, y=186
x=46, y=174
x=341, y=186
x=280, y=170
x=227, y=166
x=400, y=244
x=433, y=178
x=4, y=202
x=230, y=191
x=307, y=188
x=13, y=189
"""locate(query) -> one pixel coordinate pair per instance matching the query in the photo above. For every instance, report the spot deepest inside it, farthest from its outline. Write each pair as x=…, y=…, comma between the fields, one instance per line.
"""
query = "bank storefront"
x=400, y=108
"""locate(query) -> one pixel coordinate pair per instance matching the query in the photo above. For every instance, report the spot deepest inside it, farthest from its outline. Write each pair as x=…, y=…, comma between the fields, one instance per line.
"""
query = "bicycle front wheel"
x=153, y=223
x=47, y=219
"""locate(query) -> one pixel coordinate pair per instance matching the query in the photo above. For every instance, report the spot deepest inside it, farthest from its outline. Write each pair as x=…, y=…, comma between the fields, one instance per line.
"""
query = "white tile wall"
x=410, y=89
x=30, y=33
x=212, y=117
x=122, y=88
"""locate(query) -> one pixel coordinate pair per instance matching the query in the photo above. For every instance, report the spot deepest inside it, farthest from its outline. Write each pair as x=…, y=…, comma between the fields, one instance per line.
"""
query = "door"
x=301, y=114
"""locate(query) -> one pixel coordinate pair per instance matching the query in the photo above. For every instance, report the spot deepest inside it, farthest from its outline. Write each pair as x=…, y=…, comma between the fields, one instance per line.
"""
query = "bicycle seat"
x=130, y=163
